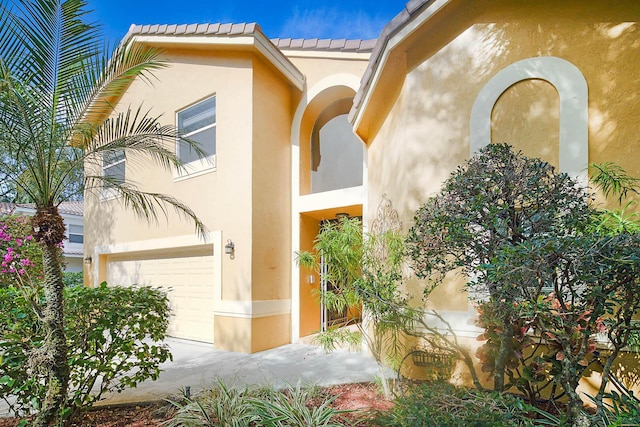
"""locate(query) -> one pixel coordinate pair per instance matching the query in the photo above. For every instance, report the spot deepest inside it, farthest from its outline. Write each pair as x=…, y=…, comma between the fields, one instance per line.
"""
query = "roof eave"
x=415, y=14
x=255, y=41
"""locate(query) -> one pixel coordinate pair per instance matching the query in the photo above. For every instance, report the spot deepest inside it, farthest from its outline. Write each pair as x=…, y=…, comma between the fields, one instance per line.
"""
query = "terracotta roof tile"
x=224, y=28
x=296, y=43
x=213, y=29
x=71, y=208
x=233, y=29
x=324, y=44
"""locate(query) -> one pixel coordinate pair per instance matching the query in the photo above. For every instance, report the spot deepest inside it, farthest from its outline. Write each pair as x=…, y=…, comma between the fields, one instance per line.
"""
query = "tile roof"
x=411, y=9
x=340, y=45
x=239, y=29
x=72, y=208
x=67, y=208
x=7, y=208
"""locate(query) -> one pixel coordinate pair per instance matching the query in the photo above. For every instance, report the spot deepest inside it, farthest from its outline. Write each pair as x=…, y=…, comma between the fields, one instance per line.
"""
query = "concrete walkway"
x=198, y=365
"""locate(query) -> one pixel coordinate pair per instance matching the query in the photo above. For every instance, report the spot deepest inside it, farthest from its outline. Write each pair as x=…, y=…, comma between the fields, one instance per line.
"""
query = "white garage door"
x=189, y=279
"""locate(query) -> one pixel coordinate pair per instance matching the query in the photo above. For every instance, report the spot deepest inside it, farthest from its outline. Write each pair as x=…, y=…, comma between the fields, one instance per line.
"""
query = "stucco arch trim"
x=573, y=92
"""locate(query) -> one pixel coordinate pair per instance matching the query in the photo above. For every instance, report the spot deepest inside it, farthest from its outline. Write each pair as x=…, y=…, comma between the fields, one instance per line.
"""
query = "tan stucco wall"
x=318, y=69
x=269, y=332
x=426, y=133
x=271, y=183
x=222, y=199
x=309, y=304
x=247, y=335
x=418, y=127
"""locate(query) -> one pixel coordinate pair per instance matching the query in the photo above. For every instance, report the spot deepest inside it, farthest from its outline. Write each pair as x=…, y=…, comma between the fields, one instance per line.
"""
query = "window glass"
x=205, y=138
x=198, y=124
x=76, y=234
x=113, y=166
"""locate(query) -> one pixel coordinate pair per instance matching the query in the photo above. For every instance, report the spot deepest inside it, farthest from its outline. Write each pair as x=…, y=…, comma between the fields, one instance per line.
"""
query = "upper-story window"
x=113, y=167
x=198, y=124
x=76, y=233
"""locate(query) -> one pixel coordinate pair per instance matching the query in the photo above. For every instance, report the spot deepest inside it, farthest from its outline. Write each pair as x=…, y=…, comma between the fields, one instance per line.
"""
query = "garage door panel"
x=190, y=284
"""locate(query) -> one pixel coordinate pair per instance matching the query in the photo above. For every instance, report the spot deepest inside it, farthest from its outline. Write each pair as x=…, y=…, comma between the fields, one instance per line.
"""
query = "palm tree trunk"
x=49, y=232
x=55, y=342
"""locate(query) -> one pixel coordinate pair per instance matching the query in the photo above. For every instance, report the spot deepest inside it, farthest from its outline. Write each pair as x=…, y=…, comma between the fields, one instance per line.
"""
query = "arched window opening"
x=336, y=152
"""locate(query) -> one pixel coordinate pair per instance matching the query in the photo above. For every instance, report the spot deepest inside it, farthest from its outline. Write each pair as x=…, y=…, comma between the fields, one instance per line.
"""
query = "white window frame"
x=72, y=233
x=200, y=166
x=110, y=193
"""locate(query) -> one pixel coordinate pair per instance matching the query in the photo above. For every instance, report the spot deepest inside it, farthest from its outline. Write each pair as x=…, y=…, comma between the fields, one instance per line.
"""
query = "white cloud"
x=332, y=23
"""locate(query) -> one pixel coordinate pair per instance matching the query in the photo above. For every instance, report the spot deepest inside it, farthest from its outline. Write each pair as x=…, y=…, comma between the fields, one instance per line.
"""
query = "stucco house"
x=299, y=131
x=72, y=214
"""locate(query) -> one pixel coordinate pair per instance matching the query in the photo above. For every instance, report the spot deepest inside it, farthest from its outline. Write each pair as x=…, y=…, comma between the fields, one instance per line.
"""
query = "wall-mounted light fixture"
x=87, y=260
x=230, y=248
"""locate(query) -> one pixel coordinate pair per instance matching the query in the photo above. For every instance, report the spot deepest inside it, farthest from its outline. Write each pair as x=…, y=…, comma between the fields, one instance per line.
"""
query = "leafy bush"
x=225, y=406
x=71, y=279
x=622, y=410
x=113, y=336
x=440, y=404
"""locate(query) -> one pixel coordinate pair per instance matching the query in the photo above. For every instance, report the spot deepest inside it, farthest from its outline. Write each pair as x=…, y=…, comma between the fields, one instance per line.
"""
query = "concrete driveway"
x=197, y=365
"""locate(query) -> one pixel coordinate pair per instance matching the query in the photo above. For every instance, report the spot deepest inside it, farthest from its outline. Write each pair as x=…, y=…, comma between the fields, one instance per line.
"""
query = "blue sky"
x=354, y=19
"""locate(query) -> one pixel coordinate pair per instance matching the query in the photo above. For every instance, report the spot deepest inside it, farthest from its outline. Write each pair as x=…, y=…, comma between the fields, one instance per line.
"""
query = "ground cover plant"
x=228, y=406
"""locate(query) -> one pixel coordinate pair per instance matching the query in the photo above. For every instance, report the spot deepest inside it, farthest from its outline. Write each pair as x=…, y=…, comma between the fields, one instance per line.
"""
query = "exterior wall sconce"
x=87, y=260
x=230, y=249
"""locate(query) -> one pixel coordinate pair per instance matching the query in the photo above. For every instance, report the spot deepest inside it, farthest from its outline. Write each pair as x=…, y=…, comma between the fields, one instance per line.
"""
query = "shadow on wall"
x=426, y=135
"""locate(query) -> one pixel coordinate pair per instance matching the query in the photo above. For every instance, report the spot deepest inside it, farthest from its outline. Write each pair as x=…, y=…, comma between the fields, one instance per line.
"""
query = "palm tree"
x=57, y=85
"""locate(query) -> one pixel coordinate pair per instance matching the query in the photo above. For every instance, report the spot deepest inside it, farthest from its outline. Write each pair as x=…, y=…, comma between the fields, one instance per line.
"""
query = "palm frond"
x=148, y=206
x=613, y=180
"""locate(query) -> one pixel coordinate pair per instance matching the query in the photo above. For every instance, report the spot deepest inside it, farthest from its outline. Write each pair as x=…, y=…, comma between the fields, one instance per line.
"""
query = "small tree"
x=365, y=271
x=498, y=200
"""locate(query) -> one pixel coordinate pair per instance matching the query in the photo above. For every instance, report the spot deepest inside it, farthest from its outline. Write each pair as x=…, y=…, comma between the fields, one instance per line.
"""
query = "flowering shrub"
x=20, y=255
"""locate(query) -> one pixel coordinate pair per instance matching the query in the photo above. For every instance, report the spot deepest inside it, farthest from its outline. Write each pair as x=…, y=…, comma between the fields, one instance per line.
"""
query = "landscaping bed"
x=359, y=397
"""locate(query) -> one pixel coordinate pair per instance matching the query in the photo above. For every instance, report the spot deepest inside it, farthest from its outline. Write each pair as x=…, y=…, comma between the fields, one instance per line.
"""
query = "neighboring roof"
x=241, y=29
x=411, y=9
x=71, y=208
x=7, y=208
x=65, y=208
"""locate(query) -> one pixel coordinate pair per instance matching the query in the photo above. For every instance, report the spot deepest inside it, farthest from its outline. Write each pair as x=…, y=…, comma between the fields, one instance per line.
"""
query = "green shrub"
x=225, y=406
x=71, y=279
x=441, y=404
x=113, y=337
